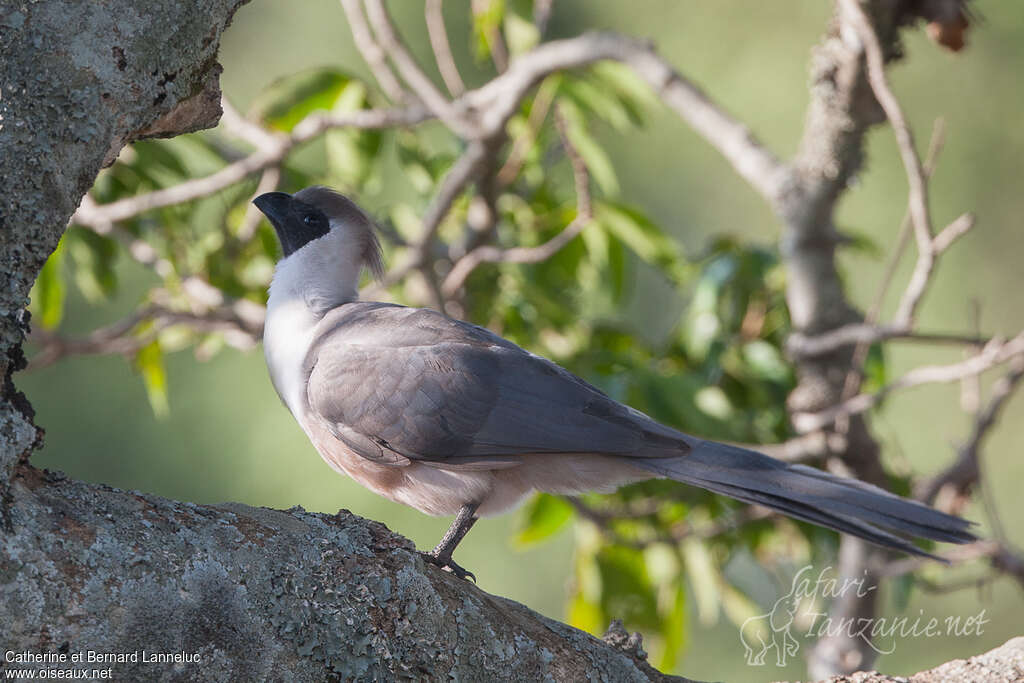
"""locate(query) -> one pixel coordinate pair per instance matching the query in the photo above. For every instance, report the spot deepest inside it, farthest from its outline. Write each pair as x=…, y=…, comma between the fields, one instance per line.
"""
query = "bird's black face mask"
x=296, y=222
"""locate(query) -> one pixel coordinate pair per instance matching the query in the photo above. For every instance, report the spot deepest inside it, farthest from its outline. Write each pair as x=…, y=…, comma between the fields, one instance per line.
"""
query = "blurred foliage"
x=642, y=554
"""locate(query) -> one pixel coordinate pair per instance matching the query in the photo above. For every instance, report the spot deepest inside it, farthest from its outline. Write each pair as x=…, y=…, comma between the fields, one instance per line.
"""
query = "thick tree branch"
x=261, y=594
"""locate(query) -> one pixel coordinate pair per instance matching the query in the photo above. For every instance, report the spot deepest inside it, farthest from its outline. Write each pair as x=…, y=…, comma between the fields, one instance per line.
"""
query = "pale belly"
x=441, y=492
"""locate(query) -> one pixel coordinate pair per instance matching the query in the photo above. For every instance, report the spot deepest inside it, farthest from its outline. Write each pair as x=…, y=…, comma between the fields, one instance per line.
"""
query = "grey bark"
x=1000, y=665
x=261, y=594
x=79, y=81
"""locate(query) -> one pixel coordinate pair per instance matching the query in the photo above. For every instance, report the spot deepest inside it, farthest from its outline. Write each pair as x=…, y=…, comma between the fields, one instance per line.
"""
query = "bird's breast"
x=287, y=336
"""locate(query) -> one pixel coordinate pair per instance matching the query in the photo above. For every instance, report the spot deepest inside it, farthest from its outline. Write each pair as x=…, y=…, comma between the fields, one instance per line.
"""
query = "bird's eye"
x=311, y=219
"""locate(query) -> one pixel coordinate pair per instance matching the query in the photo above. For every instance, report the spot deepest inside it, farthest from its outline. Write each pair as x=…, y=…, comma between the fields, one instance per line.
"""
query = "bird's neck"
x=321, y=275
x=306, y=285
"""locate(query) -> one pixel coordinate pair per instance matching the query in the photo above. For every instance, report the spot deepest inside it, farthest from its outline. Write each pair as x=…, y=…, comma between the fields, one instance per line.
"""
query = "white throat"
x=307, y=284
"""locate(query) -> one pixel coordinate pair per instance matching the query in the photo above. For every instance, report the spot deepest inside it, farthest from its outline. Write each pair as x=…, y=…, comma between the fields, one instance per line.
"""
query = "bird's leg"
x=442, y=554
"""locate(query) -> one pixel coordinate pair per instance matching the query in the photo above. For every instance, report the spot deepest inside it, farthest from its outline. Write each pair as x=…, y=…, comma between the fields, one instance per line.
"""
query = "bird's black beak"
x=275, y=206
x=296, y=222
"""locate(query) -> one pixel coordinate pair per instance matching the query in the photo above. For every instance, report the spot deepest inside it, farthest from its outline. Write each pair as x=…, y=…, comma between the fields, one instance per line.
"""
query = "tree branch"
x=372, y=54
x=315, y=596
x=411, y=73
x=965, y=472
x=995, y=353
x=434, y=15
x=498, y=100
x=271, y=153
x=803, y=346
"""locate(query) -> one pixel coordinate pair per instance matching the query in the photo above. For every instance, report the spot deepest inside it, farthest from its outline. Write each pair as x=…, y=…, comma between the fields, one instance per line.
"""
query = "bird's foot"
x=448, y=564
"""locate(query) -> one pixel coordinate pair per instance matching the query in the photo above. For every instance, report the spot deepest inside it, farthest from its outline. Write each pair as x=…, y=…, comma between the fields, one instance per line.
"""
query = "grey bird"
x=451, y=419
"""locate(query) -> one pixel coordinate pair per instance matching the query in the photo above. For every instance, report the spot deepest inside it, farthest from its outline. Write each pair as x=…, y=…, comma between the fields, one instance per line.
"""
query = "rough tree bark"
x=254, y=593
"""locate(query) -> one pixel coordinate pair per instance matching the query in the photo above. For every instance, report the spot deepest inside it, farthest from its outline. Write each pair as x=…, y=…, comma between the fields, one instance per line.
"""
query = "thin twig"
x=921, y=277
x=918, y=204
x=434, y=15
x=269, y=182
x=521, y=146
x=542, y=15
x=995, y=353
x=860, y=352
x=962, y=553
x=411, y=73
x=372, y=54
x=124, y=338
x=803, y=346
x=965, y=471
x=490, y=254
x=454, y=183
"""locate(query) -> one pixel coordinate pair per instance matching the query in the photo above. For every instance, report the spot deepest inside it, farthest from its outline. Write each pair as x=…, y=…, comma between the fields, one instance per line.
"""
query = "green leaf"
x=766, y=361
x=421, y=165
x=487, y=18
x=521, y=35
x=585, y=615
x=643, y=237
x=634, y=92
x=158, y=162
x=862, y=243
x=48, y=292
x=901, y=590
x=607, y=256
x=704, y=577
x=626, y=589
x=589, y=96
x=875, y=375
x=739, y=608
x=711, y=400
x=94, y=257
x=351, y=152
x=149, y=361
x=543, y=516
x=599, y=165
x=673, y=629
x=288, y=100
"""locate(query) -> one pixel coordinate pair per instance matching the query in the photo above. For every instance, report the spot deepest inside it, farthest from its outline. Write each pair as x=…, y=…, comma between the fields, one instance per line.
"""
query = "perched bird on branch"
x=451, y=419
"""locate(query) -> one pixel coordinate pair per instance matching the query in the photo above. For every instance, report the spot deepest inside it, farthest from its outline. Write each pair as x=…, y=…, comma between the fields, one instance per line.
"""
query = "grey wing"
x=454, y=395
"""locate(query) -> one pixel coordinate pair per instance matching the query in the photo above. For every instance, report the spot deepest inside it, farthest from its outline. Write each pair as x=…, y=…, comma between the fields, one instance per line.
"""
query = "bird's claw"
x=449, y=565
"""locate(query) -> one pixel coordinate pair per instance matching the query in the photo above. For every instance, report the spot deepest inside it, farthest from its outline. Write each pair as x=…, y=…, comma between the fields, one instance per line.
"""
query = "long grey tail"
x=843, y=504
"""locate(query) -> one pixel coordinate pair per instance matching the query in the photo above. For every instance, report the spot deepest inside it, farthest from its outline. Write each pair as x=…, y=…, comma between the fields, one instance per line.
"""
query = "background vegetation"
x=653, y=303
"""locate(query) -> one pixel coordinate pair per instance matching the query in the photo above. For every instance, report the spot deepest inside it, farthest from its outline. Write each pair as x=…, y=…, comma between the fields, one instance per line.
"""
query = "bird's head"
x=305, y=217
x=326, y=239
